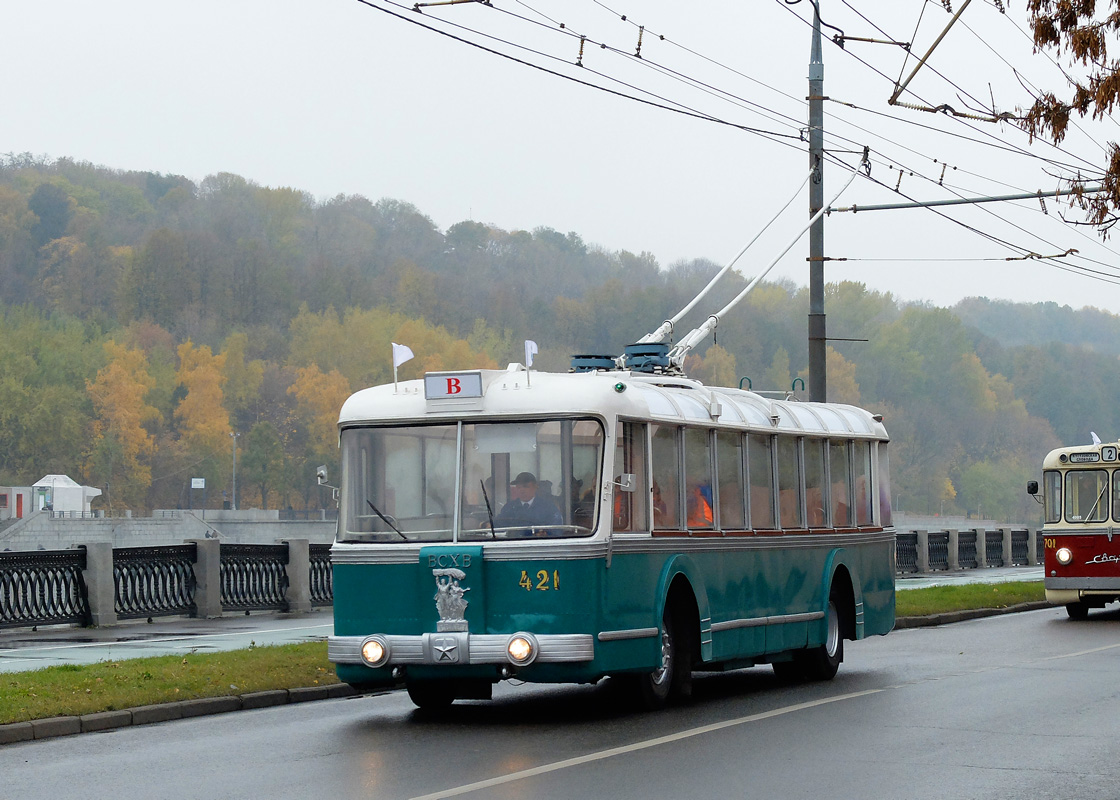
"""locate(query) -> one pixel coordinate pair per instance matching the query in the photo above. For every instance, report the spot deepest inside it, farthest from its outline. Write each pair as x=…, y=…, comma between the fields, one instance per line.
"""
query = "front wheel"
x=1078, y=611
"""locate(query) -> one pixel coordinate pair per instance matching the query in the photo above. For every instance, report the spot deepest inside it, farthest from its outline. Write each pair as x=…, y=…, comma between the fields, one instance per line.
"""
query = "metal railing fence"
x=153, y=581
x=254, y=577
x=43, y=587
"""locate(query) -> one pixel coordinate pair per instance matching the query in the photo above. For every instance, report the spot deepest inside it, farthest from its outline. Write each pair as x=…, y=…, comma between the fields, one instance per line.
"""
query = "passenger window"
x=839, y=474
x=815, y=489
x=699, y=500
x=864, y=496
x=789, y=483
x=631, y=509
x=666, y=478
x=729, y=472
x=760, y=474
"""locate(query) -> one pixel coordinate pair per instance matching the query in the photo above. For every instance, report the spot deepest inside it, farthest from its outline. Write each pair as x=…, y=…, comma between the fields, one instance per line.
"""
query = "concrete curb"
x=962, y=616
x=164, y=712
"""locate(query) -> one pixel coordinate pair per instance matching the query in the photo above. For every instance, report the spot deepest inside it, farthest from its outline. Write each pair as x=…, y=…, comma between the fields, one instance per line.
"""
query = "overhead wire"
x=664, y=104
x=670, y=105
x=1018, y=149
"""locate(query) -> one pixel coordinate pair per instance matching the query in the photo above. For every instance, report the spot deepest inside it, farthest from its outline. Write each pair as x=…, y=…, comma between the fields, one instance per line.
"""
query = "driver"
x=526, y=507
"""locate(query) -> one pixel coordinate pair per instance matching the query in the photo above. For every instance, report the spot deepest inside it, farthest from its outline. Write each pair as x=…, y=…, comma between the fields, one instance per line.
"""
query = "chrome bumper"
x=459, y=647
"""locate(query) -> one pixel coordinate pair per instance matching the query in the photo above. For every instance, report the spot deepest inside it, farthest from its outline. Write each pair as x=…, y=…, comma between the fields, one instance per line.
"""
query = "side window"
x=816, y=494
x=666, y=478
x=729, y=473
x=1115, y=495
x=699, y=498
x=789, y=483
x=1052, y=495
x=631, y=509
x=760, y=469
x=840, y=477
x=883, y=484
x=861, y=452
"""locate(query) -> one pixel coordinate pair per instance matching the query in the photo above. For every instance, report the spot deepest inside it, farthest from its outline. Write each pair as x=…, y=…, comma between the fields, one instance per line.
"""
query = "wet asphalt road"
x=1016, y=706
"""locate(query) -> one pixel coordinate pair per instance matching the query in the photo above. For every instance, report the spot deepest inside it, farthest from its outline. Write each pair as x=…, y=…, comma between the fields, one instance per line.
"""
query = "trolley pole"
x=818, y=378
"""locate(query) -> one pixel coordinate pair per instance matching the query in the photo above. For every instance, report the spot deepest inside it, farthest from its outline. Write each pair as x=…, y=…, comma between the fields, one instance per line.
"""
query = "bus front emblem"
x=450, y=601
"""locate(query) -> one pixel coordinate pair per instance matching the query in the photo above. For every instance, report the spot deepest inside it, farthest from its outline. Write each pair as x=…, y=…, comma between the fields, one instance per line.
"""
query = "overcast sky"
x=336, y=96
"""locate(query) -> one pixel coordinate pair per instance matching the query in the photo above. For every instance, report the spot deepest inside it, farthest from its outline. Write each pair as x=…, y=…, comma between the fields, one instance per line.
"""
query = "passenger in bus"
x=527, y=507
x=660, y=507
x=699, y=507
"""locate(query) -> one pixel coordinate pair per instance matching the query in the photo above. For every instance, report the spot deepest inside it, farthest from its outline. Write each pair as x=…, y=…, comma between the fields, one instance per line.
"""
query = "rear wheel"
x=1077, y=611
x=431, y=694
x=820, y=663
x=672, y=680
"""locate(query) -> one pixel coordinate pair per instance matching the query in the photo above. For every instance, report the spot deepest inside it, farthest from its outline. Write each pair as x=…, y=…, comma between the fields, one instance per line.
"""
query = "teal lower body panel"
x=751, y=599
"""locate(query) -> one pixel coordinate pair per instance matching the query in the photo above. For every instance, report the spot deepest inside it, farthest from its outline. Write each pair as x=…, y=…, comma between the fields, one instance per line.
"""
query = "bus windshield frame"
x=460, y=480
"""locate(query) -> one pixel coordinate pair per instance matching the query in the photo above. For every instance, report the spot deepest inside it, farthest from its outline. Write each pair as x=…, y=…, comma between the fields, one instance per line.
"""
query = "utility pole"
x=818, y=378
x=233, y=498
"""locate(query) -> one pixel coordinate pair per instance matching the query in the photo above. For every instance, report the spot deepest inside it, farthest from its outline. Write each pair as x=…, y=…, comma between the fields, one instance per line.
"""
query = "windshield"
x=471, y=481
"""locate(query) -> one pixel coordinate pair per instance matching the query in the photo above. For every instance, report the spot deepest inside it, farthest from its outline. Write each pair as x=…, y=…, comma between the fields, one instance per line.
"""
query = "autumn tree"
x=1078, y=29
x=319, y=397
x=121, y=443
x=201, y=419
x=715, y=368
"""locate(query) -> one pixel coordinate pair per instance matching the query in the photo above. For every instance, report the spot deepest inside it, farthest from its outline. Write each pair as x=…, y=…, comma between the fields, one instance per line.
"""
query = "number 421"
x=544, y=581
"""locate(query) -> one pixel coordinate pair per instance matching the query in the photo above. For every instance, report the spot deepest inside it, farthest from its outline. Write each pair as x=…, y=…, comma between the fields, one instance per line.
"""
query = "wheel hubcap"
x=660, y=675
x=832, y=640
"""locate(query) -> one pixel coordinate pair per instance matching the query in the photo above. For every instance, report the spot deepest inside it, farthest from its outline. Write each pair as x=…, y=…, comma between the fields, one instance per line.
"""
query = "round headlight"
x=1064, y=555
x=522, y=648
x=375, y=651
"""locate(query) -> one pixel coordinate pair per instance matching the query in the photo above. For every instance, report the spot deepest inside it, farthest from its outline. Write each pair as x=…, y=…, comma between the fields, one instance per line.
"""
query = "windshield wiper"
x=489, y=512
x=385, y=519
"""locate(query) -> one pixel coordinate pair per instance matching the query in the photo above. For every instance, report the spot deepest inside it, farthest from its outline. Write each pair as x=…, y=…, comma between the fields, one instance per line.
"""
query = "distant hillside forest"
x=146, y=319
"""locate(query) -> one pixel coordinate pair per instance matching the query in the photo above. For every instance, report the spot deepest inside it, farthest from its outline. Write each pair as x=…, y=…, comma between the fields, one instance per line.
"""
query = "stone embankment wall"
x=40, y=531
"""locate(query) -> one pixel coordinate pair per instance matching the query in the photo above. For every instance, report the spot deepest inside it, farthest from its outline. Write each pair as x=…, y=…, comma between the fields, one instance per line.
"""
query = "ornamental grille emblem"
x=450, y=601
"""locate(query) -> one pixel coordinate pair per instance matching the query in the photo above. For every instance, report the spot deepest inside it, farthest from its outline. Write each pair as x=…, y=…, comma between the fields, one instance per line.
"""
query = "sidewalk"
x=28, y=648
x=963, y=576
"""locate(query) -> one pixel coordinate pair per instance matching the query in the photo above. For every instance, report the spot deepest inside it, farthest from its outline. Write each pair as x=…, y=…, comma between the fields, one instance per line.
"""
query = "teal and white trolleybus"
x=671, y=527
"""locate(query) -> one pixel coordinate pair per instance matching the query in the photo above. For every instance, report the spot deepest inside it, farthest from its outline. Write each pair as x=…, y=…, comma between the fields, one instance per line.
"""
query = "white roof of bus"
x=1054, y=459
x=658, y=397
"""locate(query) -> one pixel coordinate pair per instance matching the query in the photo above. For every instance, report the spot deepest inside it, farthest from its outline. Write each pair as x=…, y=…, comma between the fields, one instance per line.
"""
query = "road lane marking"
x=1082, y=653
x=636, y=746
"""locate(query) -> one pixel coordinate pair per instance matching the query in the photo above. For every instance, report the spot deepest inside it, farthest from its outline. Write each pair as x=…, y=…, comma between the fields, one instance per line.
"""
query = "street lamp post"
x=233, y=498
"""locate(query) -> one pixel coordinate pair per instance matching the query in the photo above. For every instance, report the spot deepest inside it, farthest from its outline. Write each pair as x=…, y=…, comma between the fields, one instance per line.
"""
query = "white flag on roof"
x=530, y=351
x=1096, y=439
x=401, y=354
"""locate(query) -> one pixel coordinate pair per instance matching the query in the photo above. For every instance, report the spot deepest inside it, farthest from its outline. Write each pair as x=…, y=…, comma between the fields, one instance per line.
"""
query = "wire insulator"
x=641, y=30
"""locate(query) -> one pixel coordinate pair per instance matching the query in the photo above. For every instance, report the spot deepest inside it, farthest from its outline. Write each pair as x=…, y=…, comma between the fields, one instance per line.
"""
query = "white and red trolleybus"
x=1081, y=531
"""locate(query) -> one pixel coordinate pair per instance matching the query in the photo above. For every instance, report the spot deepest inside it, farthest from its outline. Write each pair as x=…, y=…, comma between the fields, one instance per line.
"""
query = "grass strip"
x=75, y=689
x=965, y=597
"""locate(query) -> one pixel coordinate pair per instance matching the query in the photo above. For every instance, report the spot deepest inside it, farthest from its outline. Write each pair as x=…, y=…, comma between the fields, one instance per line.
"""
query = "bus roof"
x=514, y=392
x=1103, y=454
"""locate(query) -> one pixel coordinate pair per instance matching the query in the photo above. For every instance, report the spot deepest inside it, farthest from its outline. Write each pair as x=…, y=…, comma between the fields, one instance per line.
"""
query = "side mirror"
x=1032, y=487
x=321, y=474
x=625, y=482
